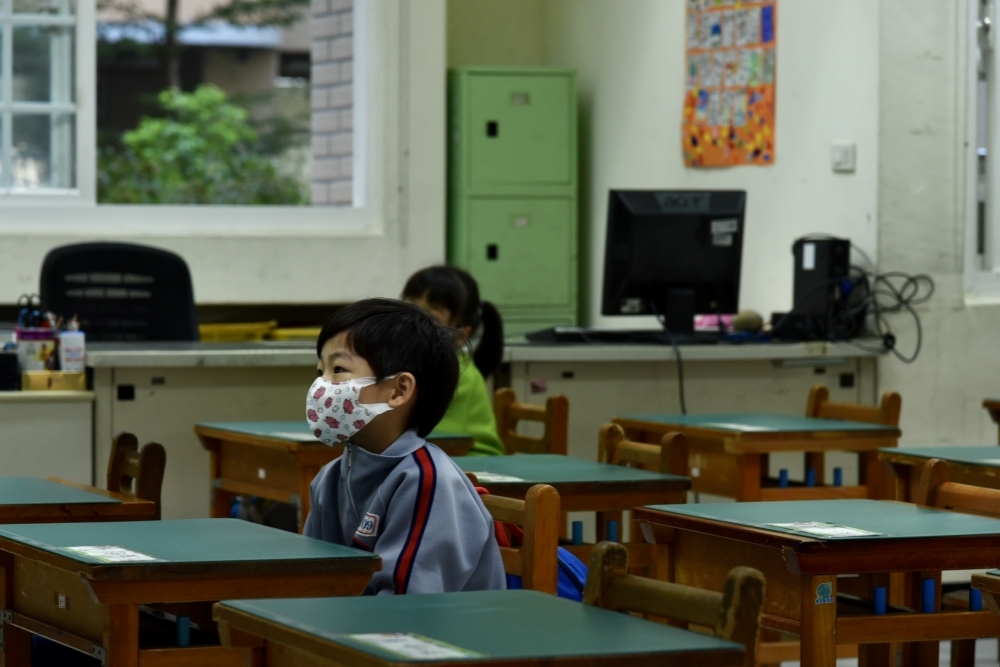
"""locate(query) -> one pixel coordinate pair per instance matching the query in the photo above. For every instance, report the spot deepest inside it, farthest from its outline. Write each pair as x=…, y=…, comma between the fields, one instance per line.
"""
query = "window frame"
x=376, y=145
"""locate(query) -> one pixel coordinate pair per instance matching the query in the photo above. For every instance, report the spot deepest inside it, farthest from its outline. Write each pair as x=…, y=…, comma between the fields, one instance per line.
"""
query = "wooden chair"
x=733, y=614
x=670, y=456
x=536, y=560
x=934, y=489
x=554, y=415
x=820, y=406
x=135, y=471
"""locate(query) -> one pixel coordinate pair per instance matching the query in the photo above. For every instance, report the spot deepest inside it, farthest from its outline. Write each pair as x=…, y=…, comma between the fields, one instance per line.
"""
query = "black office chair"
x=121, y=291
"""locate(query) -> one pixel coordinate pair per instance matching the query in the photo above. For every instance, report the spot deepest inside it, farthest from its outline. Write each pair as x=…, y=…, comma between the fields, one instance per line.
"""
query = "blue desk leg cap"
x=927, y=605
x=577, y=532
x=838, y=477
x=811, y=477
x=183, y=631
x=975, y=599
x=613, y=531
x=783, y=478
x=879, y=602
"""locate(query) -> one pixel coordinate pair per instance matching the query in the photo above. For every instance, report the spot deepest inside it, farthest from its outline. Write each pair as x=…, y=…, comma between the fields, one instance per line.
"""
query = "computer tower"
x=821, y=265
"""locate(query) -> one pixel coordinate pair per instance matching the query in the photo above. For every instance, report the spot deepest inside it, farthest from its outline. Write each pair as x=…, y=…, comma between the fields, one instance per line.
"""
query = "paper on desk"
x=493, y=477
x=821, y=529
x=414, y=647
x=112, y=554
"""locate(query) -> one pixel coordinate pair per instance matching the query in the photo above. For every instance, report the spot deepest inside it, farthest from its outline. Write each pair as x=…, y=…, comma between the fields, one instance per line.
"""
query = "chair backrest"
x=121, y=291
x=934, y=489
x=886, y=413
x=536, y=561
x=733, y=614
x=554, y=415
x=670, y=456
x=134, y=471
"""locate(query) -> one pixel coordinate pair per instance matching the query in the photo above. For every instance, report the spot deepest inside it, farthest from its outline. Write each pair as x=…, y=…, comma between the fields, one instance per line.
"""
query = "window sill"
x=131, y=221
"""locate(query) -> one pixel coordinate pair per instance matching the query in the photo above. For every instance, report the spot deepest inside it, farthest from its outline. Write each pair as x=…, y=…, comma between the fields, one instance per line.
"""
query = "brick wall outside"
x=332, y=26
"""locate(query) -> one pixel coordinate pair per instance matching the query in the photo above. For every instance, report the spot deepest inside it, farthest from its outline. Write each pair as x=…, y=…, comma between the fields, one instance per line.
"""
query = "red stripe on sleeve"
x=421, y=513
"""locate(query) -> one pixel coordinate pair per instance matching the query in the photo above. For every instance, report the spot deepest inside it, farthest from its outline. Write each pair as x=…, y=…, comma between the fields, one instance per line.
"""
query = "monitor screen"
x=673, y=253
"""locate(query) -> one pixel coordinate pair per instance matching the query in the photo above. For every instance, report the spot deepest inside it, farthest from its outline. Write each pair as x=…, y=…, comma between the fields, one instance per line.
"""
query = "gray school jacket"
x=416, y=509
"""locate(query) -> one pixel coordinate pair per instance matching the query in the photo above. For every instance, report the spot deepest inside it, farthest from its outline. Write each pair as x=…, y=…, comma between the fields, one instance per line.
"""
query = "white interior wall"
x=630, y=63
x=275, y=267
x=922, y=220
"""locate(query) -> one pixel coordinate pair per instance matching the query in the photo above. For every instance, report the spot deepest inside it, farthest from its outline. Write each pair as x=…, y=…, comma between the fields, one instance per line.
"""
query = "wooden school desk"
x=34, y=500
x=802, y=569
x=993, y=406
x=978, y=466
x=475, y=628
x=583, y=486
x=728, y=453
x=277, y=461
x=92, y=605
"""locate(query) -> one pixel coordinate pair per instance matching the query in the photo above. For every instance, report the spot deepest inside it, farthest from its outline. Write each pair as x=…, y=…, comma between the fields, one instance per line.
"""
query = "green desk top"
x=557, y=469
x=34, y=491
x=739, y=422
x=893, y=520
x=295, y=431
x=181, y=541
x=986, y=455
x=499, y=625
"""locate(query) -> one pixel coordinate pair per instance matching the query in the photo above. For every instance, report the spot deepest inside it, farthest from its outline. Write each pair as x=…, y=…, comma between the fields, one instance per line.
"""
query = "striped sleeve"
x=426, y=488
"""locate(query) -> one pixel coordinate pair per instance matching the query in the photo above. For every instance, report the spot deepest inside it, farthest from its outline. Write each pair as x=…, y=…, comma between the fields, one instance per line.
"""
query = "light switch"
x=842, y=158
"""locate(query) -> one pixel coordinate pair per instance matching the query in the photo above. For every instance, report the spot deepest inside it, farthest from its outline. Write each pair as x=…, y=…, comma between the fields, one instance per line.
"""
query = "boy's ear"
x=405, y=391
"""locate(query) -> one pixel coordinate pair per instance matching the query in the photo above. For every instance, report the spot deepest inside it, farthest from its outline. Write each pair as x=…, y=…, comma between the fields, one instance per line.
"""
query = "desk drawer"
x=261, y=466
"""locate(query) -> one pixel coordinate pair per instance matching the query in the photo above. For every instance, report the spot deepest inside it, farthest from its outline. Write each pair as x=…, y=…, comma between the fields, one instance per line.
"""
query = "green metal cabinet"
x=512, y=190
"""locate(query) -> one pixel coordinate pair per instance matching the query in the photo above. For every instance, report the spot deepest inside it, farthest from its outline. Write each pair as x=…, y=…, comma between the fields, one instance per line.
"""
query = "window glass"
x=225, y=103
x=37, y=111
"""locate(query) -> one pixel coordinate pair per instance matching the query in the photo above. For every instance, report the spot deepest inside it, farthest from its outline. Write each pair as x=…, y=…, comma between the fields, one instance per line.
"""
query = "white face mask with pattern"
x=334, y=411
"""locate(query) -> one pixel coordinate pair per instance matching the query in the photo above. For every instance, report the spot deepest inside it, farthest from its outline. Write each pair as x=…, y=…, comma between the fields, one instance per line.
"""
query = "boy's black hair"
x=397, y=337
x=456, y=290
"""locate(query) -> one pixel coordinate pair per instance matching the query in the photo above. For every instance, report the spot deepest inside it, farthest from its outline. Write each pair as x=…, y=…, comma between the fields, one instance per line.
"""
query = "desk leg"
x=874, y=476
x=748, y=471
x=222, y=501
x=817, y=461
x=877, y=655
x=923, y=654
x=16, y=642
x=121, y=635
x=304, y=481
x=819, y=621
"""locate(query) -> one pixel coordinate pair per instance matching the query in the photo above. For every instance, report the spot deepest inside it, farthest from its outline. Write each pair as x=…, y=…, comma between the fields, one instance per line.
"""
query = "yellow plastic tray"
x=235, y=333
x=295, y=333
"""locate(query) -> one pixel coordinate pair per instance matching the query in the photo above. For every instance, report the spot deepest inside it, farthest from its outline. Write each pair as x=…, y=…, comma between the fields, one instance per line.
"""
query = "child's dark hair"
x=452, y=288
x=397, y=337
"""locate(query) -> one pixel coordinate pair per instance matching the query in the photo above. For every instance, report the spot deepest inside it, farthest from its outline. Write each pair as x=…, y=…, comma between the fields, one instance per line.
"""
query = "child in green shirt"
x=451, y=296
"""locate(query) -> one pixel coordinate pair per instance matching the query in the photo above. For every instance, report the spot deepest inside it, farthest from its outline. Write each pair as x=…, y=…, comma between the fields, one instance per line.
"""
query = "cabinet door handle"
x=492, y=128
x=492, y=251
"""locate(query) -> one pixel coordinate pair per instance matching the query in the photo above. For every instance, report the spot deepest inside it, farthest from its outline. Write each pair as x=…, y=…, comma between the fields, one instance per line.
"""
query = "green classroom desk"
x=728, y=453
x=34, y=500
x=277, y=460
x=978, y=465
x=802, y=571
x=992, y=405
x=93, y=606
x=583, y=486
x=497, y=627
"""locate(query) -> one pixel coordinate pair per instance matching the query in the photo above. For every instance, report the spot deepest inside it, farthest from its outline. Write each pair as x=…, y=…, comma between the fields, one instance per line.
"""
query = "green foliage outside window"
x=203, y=149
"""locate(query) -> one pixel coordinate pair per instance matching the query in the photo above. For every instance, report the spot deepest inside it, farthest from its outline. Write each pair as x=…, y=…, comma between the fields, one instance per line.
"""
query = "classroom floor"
x=986, y=655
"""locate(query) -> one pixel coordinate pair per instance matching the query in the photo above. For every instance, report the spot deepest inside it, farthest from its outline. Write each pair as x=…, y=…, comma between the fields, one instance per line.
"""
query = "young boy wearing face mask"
x=387, y=373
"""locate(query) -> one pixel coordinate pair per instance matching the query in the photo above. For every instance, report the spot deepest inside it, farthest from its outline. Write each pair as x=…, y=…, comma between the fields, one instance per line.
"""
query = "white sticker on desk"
x=414, y=647
x=820, y=529
x=493, y=477
x=292, y=435
x=112, y=554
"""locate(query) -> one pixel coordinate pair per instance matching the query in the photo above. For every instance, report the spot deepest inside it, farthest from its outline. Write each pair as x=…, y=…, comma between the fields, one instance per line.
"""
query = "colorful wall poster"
x=729, y=100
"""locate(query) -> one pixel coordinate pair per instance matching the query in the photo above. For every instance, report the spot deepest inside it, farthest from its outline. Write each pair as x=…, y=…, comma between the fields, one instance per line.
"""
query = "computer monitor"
x=673, y=253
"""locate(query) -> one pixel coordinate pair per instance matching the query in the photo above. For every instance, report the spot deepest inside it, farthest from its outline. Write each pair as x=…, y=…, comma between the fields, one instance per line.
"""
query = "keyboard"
x=564, y=334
